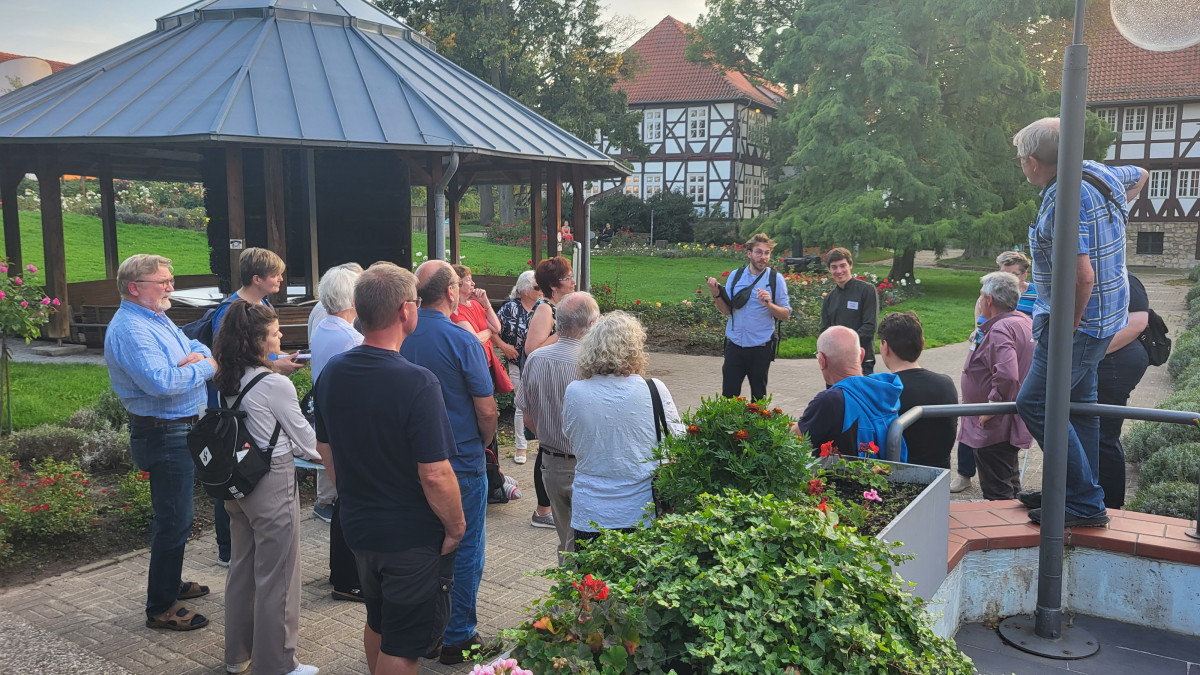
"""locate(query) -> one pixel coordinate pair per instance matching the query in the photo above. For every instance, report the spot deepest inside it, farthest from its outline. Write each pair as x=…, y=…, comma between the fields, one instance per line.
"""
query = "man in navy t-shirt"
x=385, y=438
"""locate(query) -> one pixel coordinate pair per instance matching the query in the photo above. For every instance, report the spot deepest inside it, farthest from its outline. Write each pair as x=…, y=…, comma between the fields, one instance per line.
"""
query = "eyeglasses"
x=565, y=279
x=416, y=300
x=161, y=282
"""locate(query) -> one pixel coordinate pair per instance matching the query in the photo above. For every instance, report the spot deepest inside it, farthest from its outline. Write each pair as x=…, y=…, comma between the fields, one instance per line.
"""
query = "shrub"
x=716, y=232
x=1176, y=463
x=134, y=491
x=1183, y=352
x=1189, y=378
x=1174, y=499
x=97, y=449
x=105, y=450
x=749, y=584
x=1146, y=438
x=1192, y=294
x=112, y=409
x=1194, y=273
x=54, y=499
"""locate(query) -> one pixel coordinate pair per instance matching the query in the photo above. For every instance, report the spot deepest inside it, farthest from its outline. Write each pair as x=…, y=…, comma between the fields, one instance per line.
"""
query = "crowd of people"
x=403, y=415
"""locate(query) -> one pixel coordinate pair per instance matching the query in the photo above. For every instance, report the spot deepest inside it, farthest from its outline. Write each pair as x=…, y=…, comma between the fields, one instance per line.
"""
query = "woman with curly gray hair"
x=609, y=418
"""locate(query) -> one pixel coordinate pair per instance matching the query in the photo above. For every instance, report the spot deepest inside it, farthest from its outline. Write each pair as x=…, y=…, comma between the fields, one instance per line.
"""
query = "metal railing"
x=895, y=433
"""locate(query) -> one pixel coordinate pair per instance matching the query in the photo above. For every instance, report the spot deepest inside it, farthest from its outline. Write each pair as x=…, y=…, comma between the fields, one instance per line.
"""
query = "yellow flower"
x=658, y=304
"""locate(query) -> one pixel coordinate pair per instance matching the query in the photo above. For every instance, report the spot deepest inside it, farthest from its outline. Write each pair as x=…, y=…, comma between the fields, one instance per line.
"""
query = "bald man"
x=856, y=409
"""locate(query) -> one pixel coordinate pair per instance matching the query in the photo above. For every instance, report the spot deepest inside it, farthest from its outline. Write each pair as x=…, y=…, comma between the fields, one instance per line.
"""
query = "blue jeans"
x=1085, y=499
x=468, y=564
x=161, y=450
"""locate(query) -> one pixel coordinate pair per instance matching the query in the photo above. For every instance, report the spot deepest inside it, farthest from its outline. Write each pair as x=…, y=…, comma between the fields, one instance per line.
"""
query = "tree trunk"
x=487, y=205
x=973, y=251
x=902, y=264
x=505, y=193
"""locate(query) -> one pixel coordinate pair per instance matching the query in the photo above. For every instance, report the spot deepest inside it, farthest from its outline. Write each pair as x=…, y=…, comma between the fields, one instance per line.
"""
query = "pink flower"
x=24, y=304
x=56, y=302
x=31, y=269
x=872, y=496
x=17, y=281
x=45, y=301
x=3, y=295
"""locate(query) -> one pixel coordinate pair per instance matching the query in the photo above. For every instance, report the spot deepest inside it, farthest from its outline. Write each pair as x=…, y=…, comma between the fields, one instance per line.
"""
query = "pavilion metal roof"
x=300, y=73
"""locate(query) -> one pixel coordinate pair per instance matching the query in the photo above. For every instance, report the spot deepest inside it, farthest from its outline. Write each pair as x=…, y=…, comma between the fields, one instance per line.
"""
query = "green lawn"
x=83, y=239
x=48, y=393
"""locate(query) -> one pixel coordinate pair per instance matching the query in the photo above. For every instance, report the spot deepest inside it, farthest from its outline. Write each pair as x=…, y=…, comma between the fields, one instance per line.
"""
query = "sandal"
x=179, y=618
x=519, y=456
x=190, y=589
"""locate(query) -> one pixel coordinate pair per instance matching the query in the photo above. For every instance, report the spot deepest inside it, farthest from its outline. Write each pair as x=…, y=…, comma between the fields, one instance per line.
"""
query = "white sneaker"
x=520, y=459
x=305, y=670
x=959, y=482
x=237, y=667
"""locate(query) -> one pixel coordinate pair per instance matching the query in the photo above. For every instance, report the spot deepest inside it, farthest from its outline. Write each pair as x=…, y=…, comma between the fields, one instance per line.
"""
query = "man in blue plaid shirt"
x=1100, y=303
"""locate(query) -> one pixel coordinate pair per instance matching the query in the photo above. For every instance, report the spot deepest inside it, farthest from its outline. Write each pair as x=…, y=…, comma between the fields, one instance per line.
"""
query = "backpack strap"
x=661, y=430
x=237, y=405
x=1105, y=191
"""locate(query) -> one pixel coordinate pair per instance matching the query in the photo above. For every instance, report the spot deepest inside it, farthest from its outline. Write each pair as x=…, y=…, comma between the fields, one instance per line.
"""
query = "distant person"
x=929, y=440
x=514, y=324
x=856, y=410
x=262, y=592
x=159, y=375
x=993, y=373
x=1100, y=299
x=755, y=298
x=854, y=303
x=1119, y=372
x=385, y=435
x=606, y=235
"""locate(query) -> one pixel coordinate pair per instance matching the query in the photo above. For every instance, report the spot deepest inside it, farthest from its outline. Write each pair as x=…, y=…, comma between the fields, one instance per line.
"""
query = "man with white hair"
x=852, y=416
x=1099, y=303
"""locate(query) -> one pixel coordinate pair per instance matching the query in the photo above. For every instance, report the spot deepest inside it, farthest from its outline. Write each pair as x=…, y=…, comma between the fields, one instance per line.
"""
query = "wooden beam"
x=578, y=226
x=452, y=212
x=55, y=251
x=237, y=213
x=10, y=179
x=276, y=227
x=463, y=182
x=108, y=221
x=535, y=214
x=310, y=193
x=553, y=209
x=433, y=169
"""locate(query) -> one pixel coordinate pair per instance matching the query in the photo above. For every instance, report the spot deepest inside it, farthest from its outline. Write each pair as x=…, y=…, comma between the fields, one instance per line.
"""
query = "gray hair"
x=1039, y=140
x=337, y=289
x=841, y=346
x=575, y=314
x=135, y=267
x=1003, y=288
x=616, y=345
x=524, y=283
x=1013, y=258
x=352, y=266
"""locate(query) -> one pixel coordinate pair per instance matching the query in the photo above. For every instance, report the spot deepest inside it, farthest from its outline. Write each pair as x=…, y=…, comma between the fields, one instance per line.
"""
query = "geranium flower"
x=822, y=507
x=693, y=429
x=868, y=448
x=828, y=449
x=872, y=496
x=816, y=486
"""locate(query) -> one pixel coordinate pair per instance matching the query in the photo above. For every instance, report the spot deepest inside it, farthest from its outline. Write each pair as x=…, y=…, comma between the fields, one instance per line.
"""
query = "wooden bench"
x=497, y=287
x=90, y=323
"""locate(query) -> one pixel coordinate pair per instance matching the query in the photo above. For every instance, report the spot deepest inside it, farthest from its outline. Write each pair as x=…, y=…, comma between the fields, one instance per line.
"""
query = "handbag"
x=661, y=431
x=503, y=383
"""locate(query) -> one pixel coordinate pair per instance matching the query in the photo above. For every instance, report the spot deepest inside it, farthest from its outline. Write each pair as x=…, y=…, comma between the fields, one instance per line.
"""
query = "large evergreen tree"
x=900, y=131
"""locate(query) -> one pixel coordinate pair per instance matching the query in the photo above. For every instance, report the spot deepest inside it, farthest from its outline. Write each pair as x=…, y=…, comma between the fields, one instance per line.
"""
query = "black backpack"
x=202, y=329
x=228, y=461
x=1154, y=339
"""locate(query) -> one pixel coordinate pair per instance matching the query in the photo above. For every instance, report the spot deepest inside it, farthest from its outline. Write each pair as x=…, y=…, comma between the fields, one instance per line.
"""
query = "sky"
x=73, y=30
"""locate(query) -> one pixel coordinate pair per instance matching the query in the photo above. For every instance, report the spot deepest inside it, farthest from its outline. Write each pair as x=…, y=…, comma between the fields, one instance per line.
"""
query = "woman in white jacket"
x=262, y=592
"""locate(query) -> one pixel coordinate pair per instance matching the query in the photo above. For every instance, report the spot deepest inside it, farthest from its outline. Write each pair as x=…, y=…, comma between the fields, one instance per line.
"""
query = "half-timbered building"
x=706, y=129
x=1152, y=101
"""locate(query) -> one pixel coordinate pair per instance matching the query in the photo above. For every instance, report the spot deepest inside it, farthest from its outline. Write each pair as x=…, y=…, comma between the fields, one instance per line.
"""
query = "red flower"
x=725, y=274
x=693, y=429
x=828, y=449
x=753, y=407
x=741, y=435
x=823, y=506
x=816, y=486
x=699, y=292
x=766, y=414
x=868, y=448
x=637, y=302
x=741, y=398
x=777, y=411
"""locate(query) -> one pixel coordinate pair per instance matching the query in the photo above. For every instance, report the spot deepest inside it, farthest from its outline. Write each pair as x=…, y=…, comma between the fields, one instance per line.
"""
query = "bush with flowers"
x=134, y=492
x=24, y=309
x=48, y=499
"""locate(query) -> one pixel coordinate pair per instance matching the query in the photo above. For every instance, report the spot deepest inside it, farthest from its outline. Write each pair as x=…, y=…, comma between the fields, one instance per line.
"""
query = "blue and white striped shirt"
x=142, y=349
x=1102, y=238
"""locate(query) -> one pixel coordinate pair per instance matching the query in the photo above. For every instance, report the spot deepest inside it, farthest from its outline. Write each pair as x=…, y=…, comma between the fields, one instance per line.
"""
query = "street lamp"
x=1160, y=25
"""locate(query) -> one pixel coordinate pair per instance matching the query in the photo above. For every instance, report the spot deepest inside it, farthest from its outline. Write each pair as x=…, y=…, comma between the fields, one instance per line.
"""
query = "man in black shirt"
x=853, y=304
x=929, y=440
x=1118, y=373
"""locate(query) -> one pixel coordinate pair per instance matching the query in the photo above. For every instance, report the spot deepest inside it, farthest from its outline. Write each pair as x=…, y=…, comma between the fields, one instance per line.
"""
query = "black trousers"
x=343, y=568
x=543, y=498
x=742, y=363
x=999, y=470
x=1116, y=378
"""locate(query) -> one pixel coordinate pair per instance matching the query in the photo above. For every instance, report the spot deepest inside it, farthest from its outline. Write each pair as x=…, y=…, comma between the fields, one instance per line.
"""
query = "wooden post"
x=276, y=228
x=553, y=209
x=434, y=169
x=237, y=214
x=579, y=229
x=535, y=214
x=108, y=221
x=310, y=192
x=452, y=212
x=10, y=180
x=52, y=243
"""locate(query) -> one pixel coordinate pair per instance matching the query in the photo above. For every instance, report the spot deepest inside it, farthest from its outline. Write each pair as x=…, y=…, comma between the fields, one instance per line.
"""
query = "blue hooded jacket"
x=873, y=403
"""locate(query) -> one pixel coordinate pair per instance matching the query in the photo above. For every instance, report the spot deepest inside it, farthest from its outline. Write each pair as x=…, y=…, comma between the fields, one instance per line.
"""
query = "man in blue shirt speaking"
x=159, y=374
x=754, y=299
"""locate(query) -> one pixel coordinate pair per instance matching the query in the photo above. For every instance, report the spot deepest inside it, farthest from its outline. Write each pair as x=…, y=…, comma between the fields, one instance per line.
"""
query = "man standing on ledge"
x=754, y=299
x=1099, y=300
x=853, y=304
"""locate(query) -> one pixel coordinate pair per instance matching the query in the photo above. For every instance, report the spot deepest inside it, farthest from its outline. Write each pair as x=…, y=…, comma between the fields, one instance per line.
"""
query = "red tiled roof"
x=55, y=66
x=665, y=74
x=1120, y=71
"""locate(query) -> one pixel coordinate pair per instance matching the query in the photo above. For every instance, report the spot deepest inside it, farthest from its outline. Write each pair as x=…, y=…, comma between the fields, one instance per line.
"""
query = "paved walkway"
x=90, y=620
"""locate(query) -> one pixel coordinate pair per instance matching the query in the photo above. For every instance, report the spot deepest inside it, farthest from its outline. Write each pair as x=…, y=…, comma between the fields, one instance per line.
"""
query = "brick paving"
x=91, y=620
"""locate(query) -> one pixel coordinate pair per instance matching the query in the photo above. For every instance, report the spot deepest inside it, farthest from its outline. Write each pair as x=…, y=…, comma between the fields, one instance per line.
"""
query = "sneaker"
x=305, y=670
x=520, y=457
x=237, y=667
x=324, y=512
x=223, y=562
x=959, y=482
x=1030, y=499
x=510, y=488
x=1072, y=520
x=479, y=650
x=546, y=521
x=351, y=595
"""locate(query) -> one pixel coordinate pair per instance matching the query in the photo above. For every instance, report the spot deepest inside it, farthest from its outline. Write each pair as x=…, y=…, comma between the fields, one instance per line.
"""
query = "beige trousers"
x=262, y=591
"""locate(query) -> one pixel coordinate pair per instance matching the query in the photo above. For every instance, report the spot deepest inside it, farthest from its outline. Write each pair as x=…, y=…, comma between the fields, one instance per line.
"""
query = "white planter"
x=923, y=527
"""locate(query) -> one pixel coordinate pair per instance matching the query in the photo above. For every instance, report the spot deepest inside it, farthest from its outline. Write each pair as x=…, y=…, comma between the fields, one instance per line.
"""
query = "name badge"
x=851, y=304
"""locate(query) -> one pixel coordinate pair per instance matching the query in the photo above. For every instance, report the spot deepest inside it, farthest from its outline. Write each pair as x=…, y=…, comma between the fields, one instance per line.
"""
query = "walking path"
x=91, y=620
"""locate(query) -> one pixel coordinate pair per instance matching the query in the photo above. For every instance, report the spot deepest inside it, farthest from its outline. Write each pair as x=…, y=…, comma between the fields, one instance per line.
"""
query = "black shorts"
x=408, y=597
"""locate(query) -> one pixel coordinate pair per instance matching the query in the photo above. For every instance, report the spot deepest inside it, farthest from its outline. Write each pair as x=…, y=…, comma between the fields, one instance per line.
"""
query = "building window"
x=1109, y=115
x=1135, y=119
x=697, y=124
x=1189, y=183
x=696, y=184
x=1164, y=118
x=1150, y=243
x=1160, y=184
x=654, y=183
x=633, y=186
x=652, y=119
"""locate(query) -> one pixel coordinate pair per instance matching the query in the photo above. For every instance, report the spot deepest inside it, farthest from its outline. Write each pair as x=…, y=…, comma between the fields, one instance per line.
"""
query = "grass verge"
x=48, y=393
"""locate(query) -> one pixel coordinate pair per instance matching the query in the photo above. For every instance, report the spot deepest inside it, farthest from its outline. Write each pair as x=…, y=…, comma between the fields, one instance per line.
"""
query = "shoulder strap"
x=771, y=282
x=661, y=430
x=1105, y=191
x=246, y=389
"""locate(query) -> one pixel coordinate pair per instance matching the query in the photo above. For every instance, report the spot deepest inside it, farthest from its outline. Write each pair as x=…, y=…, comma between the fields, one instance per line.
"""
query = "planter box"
x=923, y=527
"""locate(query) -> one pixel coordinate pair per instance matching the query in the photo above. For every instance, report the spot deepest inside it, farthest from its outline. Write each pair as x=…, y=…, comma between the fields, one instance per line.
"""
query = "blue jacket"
x=873, y=403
